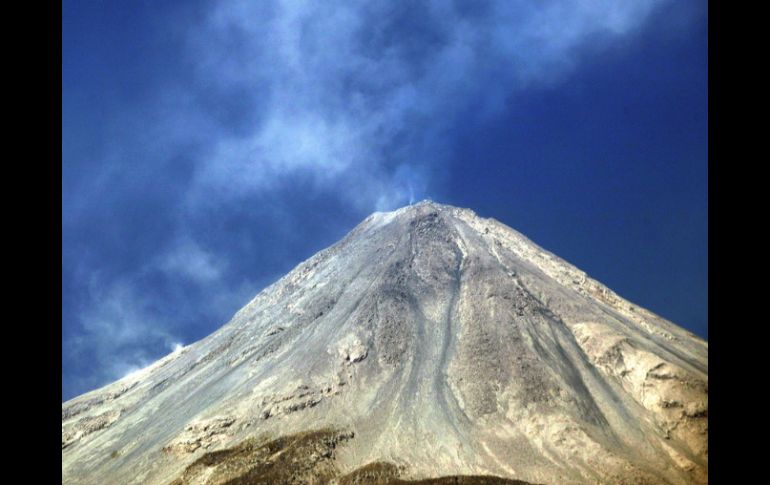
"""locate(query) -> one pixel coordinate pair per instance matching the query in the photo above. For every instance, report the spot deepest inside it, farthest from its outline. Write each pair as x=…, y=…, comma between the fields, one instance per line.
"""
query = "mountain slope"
x=435, y=341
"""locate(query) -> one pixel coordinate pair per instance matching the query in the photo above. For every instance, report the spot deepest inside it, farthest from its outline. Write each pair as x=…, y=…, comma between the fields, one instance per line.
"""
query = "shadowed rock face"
x=447, y=344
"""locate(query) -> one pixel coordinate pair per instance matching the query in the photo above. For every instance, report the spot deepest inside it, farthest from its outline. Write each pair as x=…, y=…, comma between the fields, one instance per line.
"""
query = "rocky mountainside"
x=427, y=343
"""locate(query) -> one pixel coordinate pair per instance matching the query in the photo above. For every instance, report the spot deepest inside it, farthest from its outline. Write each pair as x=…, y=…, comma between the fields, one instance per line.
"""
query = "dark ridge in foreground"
x=305, y=458
x=384, y=473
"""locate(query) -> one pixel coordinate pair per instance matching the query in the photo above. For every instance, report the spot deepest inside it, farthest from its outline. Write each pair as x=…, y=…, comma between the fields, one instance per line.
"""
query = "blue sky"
x=208, y=148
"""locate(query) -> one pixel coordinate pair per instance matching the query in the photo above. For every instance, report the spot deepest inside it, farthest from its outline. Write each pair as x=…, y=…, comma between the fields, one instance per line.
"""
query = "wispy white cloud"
x=122, y=330
x=343, y=93
x=354, y=97
x=119, y=331
x=186, y=259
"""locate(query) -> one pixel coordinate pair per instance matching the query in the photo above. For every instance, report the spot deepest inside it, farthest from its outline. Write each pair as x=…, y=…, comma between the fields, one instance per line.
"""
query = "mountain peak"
x=431, y=203
x=420, y=208
x=427, y=342
x=423, y=208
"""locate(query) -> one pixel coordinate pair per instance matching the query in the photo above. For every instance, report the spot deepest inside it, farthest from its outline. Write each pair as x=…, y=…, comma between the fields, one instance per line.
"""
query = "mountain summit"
x=429, y=342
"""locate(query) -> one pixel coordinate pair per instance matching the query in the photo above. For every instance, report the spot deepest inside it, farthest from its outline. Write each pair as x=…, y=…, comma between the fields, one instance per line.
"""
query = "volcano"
x=429, y=345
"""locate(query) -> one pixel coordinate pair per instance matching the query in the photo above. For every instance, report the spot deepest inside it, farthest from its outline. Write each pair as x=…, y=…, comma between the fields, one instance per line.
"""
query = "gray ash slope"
x=449, y=344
